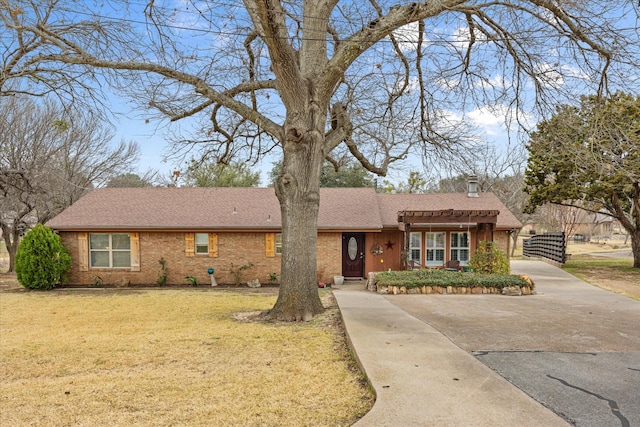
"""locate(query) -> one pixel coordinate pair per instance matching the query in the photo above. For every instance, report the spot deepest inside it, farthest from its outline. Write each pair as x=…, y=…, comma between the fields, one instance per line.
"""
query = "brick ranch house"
x=120, y=234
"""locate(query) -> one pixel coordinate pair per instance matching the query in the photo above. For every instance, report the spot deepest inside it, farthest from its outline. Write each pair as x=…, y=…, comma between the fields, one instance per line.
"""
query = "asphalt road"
x=573, y=347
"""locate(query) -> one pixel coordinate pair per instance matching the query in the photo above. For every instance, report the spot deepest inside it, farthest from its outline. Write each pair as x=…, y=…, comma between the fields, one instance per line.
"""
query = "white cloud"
x=407, y=37
x=548, y=74
x=490, y=119
x=461, y=38
x=498, y=120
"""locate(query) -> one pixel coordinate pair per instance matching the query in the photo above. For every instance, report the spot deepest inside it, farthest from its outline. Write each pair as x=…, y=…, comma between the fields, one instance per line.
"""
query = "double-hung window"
x=415, y=249
x=460, y=247
x=435, y=246
x=202, y=243
x=278, y=243
x=109, y=250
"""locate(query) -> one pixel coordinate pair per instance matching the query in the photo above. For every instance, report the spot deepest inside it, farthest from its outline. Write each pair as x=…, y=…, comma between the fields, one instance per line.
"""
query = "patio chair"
x=452, y=265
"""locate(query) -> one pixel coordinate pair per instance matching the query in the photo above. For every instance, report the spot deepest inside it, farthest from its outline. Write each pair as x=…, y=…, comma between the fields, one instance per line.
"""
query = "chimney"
x=472, y=186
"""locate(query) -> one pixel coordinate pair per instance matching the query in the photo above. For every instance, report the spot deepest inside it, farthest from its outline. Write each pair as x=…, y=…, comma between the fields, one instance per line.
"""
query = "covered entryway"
x=450, y=220
x=353, y=255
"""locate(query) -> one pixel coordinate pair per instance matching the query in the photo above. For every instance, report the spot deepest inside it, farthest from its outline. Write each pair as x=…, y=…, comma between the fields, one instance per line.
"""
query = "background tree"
x=588, y=157
x=48, y=159
x=416, y=183
x=342, y=174
x=314, y=79
x=132, y=180
x=213, y=174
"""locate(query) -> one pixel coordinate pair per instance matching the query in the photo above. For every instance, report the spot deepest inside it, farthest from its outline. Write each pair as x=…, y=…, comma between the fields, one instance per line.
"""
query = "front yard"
x=171, y=357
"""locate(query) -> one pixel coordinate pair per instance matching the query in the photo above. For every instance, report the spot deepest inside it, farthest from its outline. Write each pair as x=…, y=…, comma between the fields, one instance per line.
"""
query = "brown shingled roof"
x=207, y=208
x=255, y=209
x=391, y=204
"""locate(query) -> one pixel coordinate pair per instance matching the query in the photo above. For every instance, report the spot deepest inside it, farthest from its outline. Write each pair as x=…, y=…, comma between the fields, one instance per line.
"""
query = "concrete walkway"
x=421, y=378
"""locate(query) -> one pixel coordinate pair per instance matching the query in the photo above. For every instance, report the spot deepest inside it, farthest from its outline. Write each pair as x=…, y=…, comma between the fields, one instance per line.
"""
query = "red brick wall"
x=237, y=248
x=501, y=239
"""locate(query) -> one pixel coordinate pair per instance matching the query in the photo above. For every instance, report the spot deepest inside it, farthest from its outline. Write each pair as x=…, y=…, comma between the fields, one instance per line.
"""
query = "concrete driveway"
x=573, y=347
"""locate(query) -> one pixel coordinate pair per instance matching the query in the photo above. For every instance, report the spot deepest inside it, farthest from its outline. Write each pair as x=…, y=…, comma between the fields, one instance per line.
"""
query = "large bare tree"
x=316, y=79
x=49, y=158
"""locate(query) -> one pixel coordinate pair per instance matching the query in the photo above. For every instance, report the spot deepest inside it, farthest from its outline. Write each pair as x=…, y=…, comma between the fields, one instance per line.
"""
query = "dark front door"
x=353, y=254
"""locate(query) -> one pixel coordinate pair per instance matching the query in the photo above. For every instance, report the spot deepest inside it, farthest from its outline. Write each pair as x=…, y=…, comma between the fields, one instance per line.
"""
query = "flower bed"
x=447, y=282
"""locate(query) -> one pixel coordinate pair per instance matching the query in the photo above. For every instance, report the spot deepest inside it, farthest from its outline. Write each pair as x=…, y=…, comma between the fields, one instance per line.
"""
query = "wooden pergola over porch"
x=447, y=216
x=483, y=221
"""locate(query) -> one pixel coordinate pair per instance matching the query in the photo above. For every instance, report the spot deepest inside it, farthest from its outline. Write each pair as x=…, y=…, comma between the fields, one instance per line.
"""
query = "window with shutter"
x=202, y=243
x=110, y=250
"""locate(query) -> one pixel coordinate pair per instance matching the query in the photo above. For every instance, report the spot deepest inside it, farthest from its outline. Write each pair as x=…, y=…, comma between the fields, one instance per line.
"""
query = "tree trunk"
x=514, y=239
x=298, y=190
x=635, y=247
x=11, y=240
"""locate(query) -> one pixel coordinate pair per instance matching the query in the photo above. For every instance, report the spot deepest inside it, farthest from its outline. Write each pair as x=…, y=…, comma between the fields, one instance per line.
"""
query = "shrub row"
x=418, y=278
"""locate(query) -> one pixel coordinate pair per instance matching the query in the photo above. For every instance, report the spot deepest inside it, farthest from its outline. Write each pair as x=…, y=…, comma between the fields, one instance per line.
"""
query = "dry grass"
x=170, y=357
x=613, y=274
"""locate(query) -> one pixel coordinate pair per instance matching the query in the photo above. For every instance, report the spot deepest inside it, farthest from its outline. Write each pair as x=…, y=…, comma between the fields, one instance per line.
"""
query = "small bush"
x=489, y=259
x=164, y=272
x=42, y=262
x=237, y=273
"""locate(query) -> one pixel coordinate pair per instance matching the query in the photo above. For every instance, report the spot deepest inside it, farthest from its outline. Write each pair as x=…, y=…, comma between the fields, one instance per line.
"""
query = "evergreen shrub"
x=42, y=262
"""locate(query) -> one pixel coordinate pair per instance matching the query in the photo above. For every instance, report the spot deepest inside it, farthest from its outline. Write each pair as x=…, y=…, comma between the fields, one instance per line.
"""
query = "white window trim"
x=277, y=243
x=110, y=250
x=205, y=244
x=414, y=248
x=435, y=262
x=457, y=249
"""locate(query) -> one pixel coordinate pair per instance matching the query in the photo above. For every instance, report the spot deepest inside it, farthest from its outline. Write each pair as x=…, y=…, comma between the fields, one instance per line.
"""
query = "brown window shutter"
x=189, y=244
x=134, y=239
x=270, y=244
x=213, y=245
x=83, y=251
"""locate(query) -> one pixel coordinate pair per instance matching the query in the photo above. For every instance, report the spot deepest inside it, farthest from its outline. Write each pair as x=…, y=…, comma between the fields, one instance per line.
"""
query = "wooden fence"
x=547, y=245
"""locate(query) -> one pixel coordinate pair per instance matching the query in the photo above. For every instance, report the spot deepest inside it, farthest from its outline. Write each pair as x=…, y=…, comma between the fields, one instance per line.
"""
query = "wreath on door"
x=376, y=249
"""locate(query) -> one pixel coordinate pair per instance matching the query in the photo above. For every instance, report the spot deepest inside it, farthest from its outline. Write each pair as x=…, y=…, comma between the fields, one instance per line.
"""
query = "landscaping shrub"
x=41, y=261
x=417, y=278
x=489, y=259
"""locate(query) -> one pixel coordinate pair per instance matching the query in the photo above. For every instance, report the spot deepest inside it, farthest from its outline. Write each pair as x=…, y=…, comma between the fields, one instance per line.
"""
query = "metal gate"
x=548, y=245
